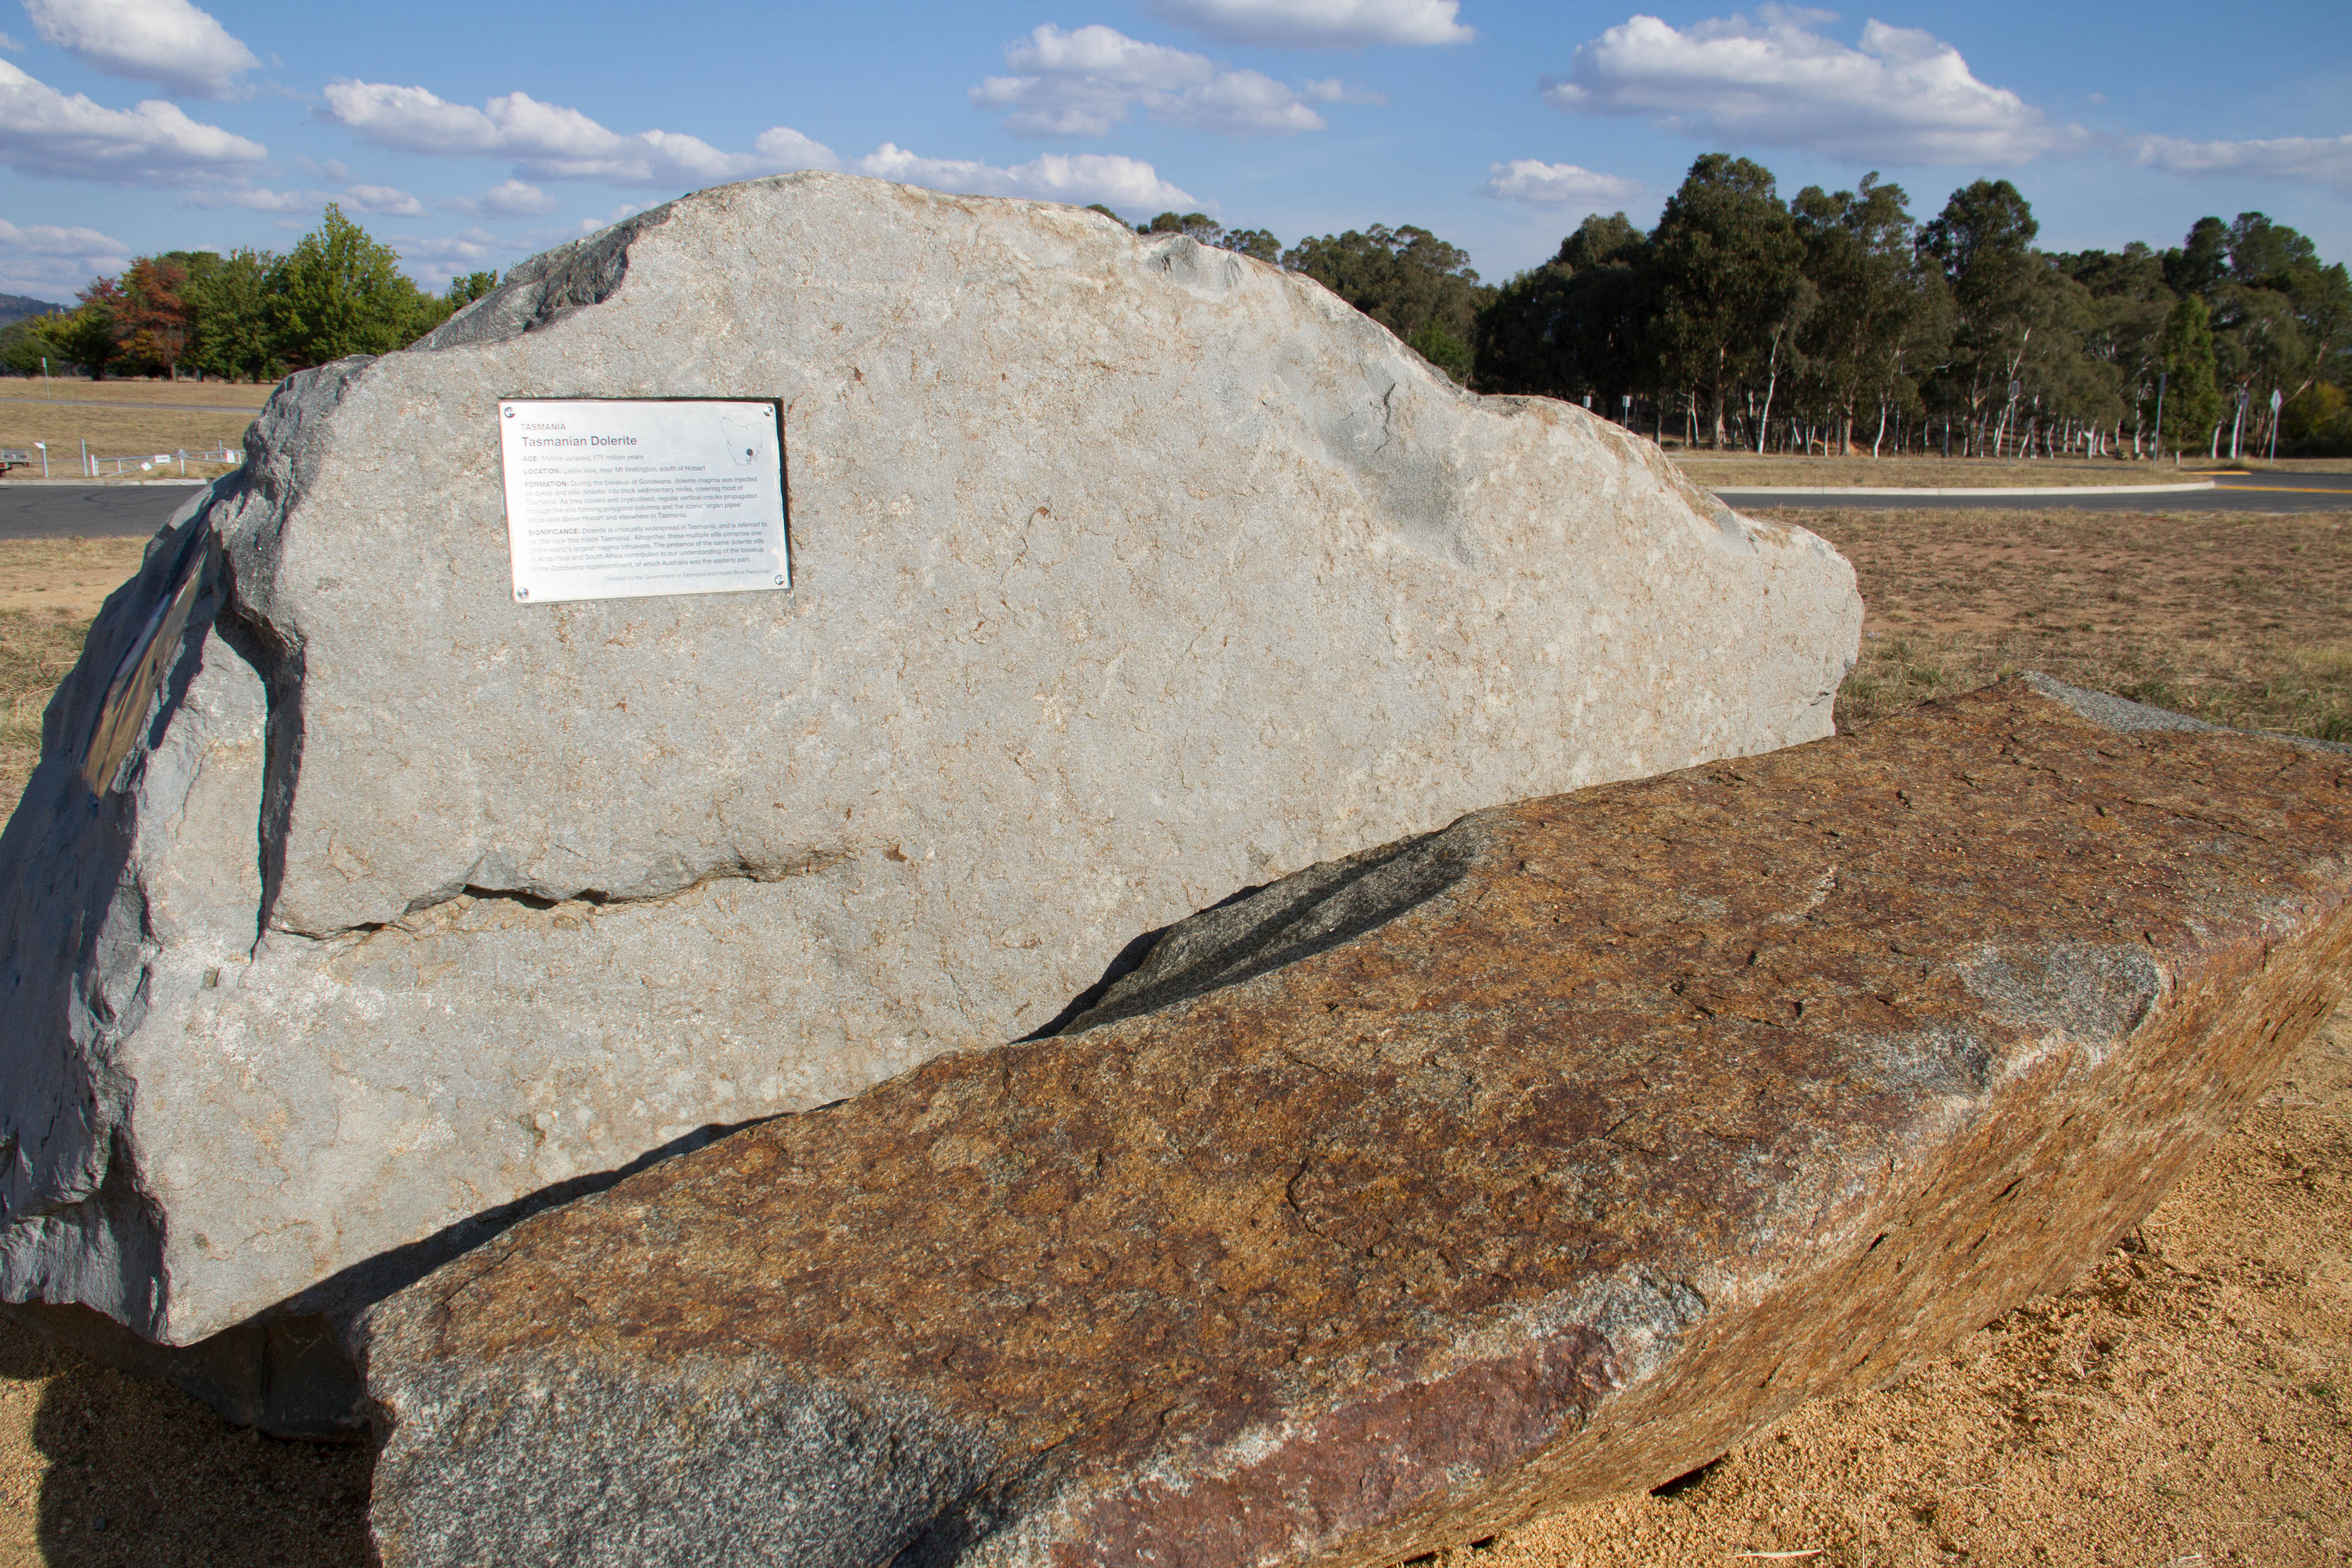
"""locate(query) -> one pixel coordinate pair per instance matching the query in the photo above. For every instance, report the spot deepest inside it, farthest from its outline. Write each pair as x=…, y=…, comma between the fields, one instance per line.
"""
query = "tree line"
x=250, y=315
x=1836, y=321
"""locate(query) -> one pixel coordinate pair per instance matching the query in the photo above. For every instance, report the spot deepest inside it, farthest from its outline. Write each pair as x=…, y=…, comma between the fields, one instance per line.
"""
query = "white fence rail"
x=92, y=465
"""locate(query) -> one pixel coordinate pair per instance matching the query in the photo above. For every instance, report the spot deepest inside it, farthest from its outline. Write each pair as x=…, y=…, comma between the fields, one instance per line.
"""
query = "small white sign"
x=618, y=499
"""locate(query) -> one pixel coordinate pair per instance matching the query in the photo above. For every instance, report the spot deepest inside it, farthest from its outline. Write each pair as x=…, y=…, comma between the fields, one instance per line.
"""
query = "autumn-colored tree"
x=86, y=335
x=152, y=321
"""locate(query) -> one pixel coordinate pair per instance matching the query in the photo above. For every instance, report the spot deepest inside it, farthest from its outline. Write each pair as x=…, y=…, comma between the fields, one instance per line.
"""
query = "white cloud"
x=1531, y=180
x=466, y=244
x=1079, y=179
x=1903, y=96
x=2319, y=159
x=44, y=132
x=170, y=43
x=48, y=239
x=548, y=141
x=512, y=199
x=13, y=45
x=1241, y=103
x=46, y=259
x=435, y=259
x=1082, y=83
x=384, y=201
x=253, y=199
x=1331, y=89
x=1317, y=23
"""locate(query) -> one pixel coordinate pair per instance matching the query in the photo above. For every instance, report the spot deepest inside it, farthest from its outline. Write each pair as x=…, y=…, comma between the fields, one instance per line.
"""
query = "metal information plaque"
x=619, y=499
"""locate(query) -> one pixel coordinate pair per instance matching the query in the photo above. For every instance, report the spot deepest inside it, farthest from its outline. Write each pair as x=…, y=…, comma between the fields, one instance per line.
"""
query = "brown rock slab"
x=1542, y=1158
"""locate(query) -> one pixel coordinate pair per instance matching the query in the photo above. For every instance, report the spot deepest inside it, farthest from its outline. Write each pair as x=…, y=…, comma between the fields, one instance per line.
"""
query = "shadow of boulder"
x=137, y=1475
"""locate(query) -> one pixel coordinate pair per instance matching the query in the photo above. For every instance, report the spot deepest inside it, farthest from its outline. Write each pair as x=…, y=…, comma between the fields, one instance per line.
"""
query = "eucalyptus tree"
x=2192, y=402
x=1411, y=282
x=2202, y=260
x=1881, y=316
x=1730, y=283
x=2266, y=254
x=1581, y=324
x=1983, y=242
x=2323, y=312
x=2259, y=349
x=2130, y=303
x=2281, y=320
x=2063, y=387
x=1251, y=242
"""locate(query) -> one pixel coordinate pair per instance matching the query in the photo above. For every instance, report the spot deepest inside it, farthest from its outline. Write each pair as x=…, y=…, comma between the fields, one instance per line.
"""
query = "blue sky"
x=471, y=135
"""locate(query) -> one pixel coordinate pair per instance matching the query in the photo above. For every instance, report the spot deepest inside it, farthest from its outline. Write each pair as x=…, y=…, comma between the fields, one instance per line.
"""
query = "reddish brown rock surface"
x=1542, y=1158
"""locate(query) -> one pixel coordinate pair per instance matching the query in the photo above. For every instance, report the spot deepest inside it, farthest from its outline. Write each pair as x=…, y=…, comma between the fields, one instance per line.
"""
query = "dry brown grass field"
x=141, y=417
x=137, y=392
x=2240, y=618
x=2188, y=1401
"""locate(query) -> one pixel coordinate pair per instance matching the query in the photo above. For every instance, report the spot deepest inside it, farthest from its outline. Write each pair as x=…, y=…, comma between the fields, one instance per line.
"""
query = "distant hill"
x=17, y=307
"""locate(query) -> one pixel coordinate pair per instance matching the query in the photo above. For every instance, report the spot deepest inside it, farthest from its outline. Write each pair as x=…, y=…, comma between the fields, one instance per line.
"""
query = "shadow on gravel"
x=138, y=1475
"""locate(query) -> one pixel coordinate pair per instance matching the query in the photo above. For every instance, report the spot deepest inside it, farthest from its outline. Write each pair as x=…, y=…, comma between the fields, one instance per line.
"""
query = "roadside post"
x=2275, y=401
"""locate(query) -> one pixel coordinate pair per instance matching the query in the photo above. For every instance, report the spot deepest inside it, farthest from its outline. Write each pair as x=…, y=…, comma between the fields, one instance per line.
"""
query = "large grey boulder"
x=1125, y=572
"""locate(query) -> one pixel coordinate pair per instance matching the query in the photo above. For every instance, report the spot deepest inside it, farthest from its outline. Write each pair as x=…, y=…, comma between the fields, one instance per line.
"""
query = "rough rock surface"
x=1537, y=1159
x=1124, y=572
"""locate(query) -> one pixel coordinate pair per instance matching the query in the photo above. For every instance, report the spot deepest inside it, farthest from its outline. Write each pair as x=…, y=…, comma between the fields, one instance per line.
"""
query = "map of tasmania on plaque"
x=619, y=497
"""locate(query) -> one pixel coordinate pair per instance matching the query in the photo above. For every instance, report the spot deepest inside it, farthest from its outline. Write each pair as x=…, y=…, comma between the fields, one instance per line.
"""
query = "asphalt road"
x=125, y=511
x=88, y=511
x=2231, y=492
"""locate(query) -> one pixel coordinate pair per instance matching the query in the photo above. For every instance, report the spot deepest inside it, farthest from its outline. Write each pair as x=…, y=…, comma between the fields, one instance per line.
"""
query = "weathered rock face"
x=1538, y=1159
x=1124, y=572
